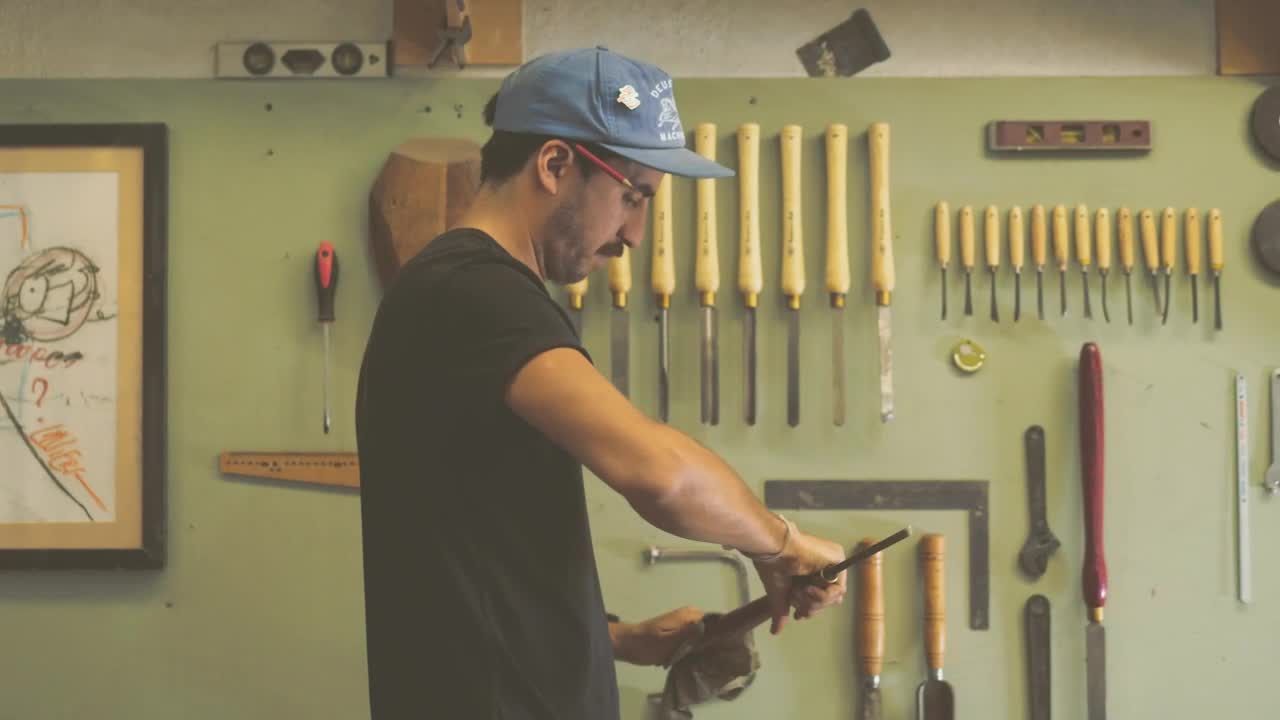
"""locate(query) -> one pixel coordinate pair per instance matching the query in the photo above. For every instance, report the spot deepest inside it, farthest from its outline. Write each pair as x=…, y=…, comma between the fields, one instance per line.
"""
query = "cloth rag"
x=696, y=675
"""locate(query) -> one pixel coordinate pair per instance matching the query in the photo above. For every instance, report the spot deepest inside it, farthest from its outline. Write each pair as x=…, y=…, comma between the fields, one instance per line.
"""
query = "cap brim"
x=677, y=161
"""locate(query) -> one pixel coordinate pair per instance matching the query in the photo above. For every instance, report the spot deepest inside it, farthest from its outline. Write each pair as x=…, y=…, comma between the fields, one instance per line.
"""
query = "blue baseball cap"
x=597, y=96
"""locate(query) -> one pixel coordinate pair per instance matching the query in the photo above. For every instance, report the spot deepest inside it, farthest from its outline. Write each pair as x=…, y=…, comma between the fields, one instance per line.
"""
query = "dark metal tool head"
x=1034, y=556
x=935, y=700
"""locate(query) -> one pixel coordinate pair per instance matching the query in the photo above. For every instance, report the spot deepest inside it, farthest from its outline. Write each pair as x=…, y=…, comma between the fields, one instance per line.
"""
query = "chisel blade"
x=1128, y=295
x=1164, y=314
x=885, y=327
x=1096, y=670
x=328, y=421
x=749, y=365
x=664, y=367
x=619, y=350
x=837, y=365
x=710, y=368
x=1040, y=294
x=1106, y=312
x=793, y=368
x=1195, y=301
x=870, y=702
x=1017, y=296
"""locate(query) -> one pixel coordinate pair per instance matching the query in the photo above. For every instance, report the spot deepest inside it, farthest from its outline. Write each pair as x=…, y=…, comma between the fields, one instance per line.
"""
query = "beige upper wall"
x=742, y=38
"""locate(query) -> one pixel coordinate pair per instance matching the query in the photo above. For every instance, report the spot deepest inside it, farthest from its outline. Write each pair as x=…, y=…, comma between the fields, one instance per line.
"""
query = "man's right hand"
x=803, y=555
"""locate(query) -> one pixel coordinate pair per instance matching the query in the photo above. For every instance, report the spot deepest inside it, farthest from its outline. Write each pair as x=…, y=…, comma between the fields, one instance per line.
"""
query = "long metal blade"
x=619, y=350
x=1128, y=295
x=968, y=293
x=870, y=703
x=1195, y=300
x=1088, y=309
x=749, y=365
x=708, y=318
x=1217, y=301
x=664, y=367
x=793, y=368
x=1164, y=319
x=1040, y=294
x=1155, y=290
x=837, y=365
x=328, y=423
x=1106, y=313
x=944, y=293
x=885, y=328
x=715, y=367
x=1062, y=291
x=995, y=310
x=1017, y=296
x=1095, y=639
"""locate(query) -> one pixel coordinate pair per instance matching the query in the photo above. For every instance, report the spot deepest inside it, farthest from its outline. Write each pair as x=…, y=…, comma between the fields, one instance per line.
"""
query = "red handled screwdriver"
x=326, y=276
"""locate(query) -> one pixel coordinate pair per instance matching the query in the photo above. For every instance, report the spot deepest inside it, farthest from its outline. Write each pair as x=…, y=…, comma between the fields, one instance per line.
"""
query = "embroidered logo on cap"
x=628, y=96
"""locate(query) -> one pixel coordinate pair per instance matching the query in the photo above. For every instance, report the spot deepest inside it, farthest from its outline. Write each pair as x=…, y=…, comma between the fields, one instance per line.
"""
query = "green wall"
x=259, y=613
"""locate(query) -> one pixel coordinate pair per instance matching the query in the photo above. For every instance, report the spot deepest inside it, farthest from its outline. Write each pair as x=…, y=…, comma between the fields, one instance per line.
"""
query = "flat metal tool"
x=1216, y=263
x=793, y=276
x=1168, y=249
x=882, y=277
x=967, y=495
x=1271, y=481
x=1039, y=666
x=1039, y=253
x=1041, y=542
x=1017, y=251
x=968, y=254
x=942, y=242
x=750, y=271
x=991, y=243
x=935, y=699
x=706, y=270
x=1102, y=241
x=1094, y=575
x=1244, y=564
x=663, y=280
x=1192, y=235
x=1061, y=252
x=837, y=259
x=1084, y=252
x=620, y=325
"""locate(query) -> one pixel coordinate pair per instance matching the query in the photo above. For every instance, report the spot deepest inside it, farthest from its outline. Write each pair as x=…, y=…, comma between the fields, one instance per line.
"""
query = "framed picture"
x=83, y=223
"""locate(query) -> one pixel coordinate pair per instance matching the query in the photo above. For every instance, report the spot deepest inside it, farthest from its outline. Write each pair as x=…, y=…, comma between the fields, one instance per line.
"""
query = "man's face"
x=595, y=218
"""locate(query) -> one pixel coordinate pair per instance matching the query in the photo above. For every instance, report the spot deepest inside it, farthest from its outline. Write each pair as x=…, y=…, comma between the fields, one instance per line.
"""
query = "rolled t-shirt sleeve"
x=501, y=318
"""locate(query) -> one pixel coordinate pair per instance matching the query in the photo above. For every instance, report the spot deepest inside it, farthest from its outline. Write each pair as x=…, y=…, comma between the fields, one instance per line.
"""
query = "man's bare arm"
x=671, y=480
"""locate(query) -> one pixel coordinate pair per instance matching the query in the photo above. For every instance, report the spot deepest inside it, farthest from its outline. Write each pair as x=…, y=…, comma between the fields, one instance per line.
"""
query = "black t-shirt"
x=481, y=594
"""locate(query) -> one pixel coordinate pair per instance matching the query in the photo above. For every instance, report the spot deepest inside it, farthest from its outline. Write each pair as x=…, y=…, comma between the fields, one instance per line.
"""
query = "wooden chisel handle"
x=750, y=271
x=620, y=277
x=932, y=549
x=1102, y=238
x=576, y=291
x=1092, y=459
x=1124, y=235
x=1215, y=240
x=1017, y=238
x=663, y=272
x=871, y=612
x=792, y=228
x=967, y=248
x=706, y=264
x=882, y=277
x=1193, y=241
x=1061, y=244
x=1039, y=243
x=1150, y=240
x=1084, y=245
x=942, y=233
x=837, y=215
x=1168, y=238
x=991, y=235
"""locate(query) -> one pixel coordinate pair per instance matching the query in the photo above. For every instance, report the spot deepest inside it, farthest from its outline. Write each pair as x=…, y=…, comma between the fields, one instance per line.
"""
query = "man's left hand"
x=654, y=641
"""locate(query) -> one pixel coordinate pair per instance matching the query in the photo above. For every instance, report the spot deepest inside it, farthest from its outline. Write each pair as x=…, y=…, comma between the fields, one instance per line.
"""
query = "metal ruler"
x=341, y=469
x=967, y=495
x=1242, y=491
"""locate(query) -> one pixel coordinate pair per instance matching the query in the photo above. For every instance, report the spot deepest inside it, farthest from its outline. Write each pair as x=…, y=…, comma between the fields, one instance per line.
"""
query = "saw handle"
x=750, y=272
x=1124, y=235
x=871, y=612
x=1017, y=238
x=1084, y=245
x=837, y=215
x=1102, y=237
x=991, y=235
x=1215, y=240
x=1039, y=244
x=706, y=264
x=663, y=272
x=882, y=276
x=792, y=228
x=1061, y=243
x=1193, y=241
x=1092, y=457
x=942, y=233
x=1150, y=240
x=932, y=550
x=967, y=248
x=620, y=277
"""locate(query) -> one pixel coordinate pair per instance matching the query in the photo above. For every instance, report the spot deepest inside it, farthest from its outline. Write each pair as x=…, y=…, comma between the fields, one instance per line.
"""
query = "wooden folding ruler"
x=967, y=495
x=341, y=469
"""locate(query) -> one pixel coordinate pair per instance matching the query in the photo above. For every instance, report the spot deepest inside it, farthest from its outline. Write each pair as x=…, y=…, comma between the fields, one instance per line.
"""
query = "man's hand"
x=654, y=641
x=804, y=554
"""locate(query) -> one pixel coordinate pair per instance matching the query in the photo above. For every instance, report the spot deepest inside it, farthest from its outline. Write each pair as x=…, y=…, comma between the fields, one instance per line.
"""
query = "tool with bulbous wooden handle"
x=1039, y=253
x=1094, y=573
x=326, y=281
x=871, y=630
x=706, y=269
x=1168, y=248
x=793, y=278
x=1102, y=238
x=663, y=278
x=1192, y=234
x=1084, y=252
x=837, y=259
x=1124, y=235
x=942, y=242
x=1017, y=249
x=882, y=277
x=620, y=327
x=1061, y=252
x=1151, y=251
x=750, y=272
x=967, y=253
x=1216, y=263
x=576, y=293
x=991, y=243
x=935, y=699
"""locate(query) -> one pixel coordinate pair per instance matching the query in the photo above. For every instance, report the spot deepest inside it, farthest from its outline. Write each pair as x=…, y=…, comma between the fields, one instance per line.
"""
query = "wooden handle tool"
x=882, y=276
x=1039, y=253
x=1193, y=239
x=1151, y=250
x=1084, y=252
x=750, y=272
x=1094, y=572
x=1017, y=248
x=663, y=277
x=871, y=628
x=1216, y=262
x=942, y=240
x=1061, y=252
x=1102, y=239
x=991, y=238
x=1124, y=235
x=967, y=255
x=793, y=277
x=837, y=258
x=934, y=697
x=1168, y=249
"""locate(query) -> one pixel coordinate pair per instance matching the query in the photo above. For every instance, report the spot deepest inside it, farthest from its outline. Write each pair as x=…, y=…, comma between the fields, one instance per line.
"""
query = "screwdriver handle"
x=1039, y=243
x=1084, y=245
x=1061, y=244
x=871, y=612
x=932, y=550
x=1017, y=238
x=1193, y=241
x=620, y=277
x=577, y=291
x=326, y=279
x=663, y=272
x=1168, y=237
x=837, y=216
x=706, y=265
x=750, y=271
x=1215, y=240
x=991, y=235
x=1150, y=240
x=1102, y=237
x=1124, y=233
x=942, y=232
x=882, y=276
x=1092, y=460
x=793, y=279
x=967, y=248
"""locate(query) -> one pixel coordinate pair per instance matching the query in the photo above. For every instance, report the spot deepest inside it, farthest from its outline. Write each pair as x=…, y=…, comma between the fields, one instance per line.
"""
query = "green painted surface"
x=259, y=613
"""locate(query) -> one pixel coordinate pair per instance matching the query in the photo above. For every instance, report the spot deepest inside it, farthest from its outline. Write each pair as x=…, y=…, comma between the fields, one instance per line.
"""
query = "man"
x=478, y=407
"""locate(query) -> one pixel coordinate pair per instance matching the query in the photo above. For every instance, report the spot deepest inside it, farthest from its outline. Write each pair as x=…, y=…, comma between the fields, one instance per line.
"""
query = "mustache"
x=613, y=249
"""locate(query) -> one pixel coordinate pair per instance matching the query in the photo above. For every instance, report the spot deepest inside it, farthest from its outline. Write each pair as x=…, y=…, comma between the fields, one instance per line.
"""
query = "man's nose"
x=632, y=231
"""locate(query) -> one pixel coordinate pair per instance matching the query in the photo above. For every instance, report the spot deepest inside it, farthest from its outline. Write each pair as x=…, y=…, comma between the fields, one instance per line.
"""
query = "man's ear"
x=553, y=161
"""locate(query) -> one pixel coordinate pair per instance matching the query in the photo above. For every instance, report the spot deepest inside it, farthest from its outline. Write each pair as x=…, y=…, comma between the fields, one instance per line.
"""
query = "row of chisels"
x=1091, y=236
x=751, y=274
